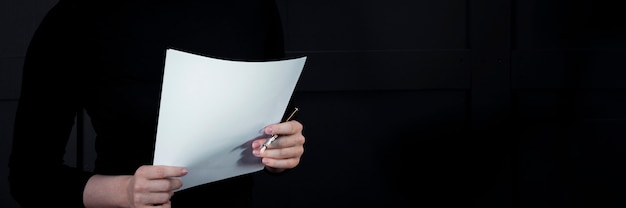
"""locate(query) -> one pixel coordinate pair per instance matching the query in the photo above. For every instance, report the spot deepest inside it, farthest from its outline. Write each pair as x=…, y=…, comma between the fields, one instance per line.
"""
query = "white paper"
x=212, y=109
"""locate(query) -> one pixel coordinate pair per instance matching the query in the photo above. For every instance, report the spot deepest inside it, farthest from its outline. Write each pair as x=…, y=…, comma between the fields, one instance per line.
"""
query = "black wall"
x=448, y=103
x=458, y=104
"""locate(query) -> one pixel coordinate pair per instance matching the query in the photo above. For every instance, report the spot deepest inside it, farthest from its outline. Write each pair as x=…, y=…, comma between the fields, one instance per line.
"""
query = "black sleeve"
x=45, y=117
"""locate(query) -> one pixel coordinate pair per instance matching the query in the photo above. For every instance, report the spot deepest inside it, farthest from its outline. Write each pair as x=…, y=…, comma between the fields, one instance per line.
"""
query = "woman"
x=107, y=57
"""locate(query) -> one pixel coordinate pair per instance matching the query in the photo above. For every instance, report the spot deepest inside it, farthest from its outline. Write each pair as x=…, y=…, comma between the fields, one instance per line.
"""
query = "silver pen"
x=271, y=139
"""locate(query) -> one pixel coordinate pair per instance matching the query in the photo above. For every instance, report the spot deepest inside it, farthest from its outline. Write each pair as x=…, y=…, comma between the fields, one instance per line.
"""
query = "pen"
x=271, y=139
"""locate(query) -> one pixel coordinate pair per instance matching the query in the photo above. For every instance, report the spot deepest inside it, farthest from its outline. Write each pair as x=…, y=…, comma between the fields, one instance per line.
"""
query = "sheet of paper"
x=212, y=109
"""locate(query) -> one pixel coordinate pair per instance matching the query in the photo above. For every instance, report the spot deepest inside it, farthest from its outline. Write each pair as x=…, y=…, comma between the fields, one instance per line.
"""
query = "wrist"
x=107, y=191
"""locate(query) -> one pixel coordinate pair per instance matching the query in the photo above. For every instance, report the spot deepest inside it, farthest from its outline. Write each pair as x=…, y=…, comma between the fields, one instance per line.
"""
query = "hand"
x=285, y=152
x=153, y=186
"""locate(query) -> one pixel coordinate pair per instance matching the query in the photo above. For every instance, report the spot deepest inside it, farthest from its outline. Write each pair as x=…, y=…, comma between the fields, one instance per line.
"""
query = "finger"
x=160, y=185
x=153, y=199
x=158, y=172
x=288, y=141
x=281, y=163
x=278, y=143
x=285, y=128
x=283, y=153
x=167, y=205
x=268, y=141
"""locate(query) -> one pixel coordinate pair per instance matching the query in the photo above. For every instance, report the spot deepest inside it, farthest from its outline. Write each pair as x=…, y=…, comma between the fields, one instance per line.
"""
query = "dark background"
x=440, y=103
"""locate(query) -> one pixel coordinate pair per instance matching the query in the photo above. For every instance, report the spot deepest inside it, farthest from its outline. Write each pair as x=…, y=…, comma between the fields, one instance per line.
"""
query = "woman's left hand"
x=285, y=151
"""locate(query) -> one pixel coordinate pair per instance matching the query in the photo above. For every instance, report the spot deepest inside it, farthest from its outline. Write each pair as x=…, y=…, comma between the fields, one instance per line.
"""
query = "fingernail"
x=256, y=152
x=270, y=131
x=184, y=171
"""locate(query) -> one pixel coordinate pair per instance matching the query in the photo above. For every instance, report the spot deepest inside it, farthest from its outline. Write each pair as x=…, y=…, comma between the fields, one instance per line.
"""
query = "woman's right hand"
x=150, y=186
x=153, y=186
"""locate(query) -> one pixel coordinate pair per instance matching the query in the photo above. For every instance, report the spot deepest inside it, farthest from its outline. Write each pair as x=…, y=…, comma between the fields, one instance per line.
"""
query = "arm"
x=150, y=185
x=44, y=120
